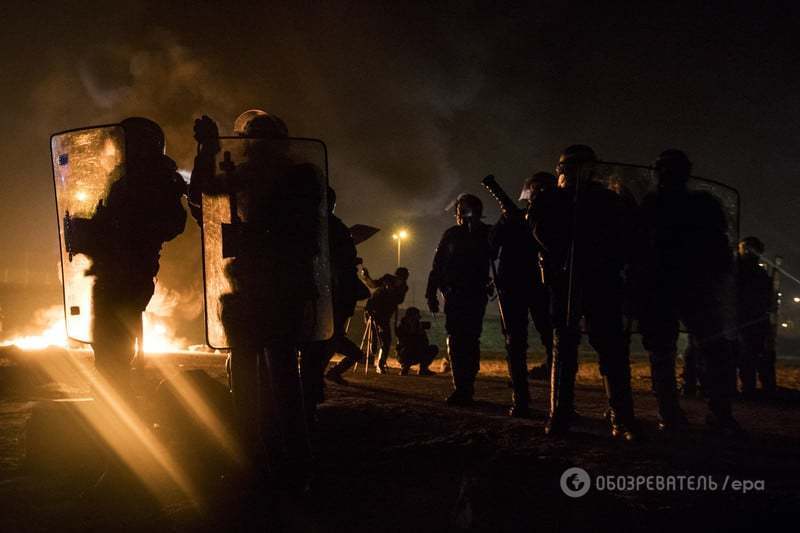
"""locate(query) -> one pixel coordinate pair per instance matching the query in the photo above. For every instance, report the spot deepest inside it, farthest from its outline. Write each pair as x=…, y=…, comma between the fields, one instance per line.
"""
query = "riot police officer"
x=582, y=227
x=521, y=290
x=461, y=273
x=756, y=300
x=273, y=285
x=142, y=211
x=345, y=293
x=686, y=273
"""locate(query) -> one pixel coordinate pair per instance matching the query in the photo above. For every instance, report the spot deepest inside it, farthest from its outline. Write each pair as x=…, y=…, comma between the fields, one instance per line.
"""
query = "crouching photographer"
x=413, y=347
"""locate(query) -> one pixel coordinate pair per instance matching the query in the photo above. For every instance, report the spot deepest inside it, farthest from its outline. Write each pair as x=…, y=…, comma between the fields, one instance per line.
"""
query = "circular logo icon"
x=575, y=482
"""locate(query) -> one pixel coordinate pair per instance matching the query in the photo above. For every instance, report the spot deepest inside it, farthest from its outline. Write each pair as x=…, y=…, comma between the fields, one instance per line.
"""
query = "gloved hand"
x=433, y=305
x=206, y=133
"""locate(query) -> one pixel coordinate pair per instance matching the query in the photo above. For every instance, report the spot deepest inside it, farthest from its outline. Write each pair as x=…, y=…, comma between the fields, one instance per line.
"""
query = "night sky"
x=416, y=101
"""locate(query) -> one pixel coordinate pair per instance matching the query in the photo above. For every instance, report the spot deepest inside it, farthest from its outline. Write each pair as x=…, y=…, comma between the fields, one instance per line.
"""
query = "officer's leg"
x=313, y=361
x=462, y=387
x=114, y=342
x=244, y=387
x=691, y=367
x=283, y=421
x=659, y=326
x=540, y=311
x=426, y=359
x=766, y=363
x=515, y=311
x=566, y=337
x=477, y=309
x=747, y=354
x=608, y=338
x=342, y=344
x=704, y=315
x=463, y=346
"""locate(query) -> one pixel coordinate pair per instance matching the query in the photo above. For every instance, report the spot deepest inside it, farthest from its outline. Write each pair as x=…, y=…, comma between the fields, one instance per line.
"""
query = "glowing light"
x=400, y=235
x=160, y=338
x=81, y=196
x=785, y=325
x=47, y=328
x=796, y=300
x=50, y=322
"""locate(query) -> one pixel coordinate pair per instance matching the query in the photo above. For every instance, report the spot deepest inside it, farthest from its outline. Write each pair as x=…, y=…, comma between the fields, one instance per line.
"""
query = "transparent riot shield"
x=265, y=241
x=634, y=182
x=631, y=182
x=728, y=197
x=85, y=164
x=726, y=286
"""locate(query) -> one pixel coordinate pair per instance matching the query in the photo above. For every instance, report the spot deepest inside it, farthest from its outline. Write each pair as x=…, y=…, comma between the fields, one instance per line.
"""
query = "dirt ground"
x=390, y=456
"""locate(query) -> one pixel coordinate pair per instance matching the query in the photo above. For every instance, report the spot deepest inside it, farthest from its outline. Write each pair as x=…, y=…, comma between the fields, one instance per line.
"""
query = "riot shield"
x=631, y=182
x=634, y=182
x=85, y=164
x=725, y=286
x=728, y=197
x=265, y=241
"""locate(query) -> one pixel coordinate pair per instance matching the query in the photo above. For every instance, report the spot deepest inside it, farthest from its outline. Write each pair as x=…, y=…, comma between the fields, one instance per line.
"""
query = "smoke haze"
x=416, y=102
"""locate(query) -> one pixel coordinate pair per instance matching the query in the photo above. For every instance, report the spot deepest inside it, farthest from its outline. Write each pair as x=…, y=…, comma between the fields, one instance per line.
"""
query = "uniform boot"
x=335, y=373
x=562, y=386
x=670, y=414
x=463, y=387
x=620, y=400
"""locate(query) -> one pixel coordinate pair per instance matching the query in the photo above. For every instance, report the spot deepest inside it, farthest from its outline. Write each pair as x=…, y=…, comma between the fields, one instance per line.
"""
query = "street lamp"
x=400, y=236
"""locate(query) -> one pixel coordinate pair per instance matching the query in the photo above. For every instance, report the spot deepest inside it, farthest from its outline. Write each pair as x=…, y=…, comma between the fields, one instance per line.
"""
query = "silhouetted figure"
x=142, y=211
x=413, y=347
x=461, y=273
x=583, y=228
x=756, y=300
x=686, y=271
x=273, y=239
x=522, y=291
x=389, y=291
x=346, y=290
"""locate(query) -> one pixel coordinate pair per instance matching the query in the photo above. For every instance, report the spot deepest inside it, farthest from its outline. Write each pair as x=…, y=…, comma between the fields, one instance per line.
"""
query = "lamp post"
x=399, y=236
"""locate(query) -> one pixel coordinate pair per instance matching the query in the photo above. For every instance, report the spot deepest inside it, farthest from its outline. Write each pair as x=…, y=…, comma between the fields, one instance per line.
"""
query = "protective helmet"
x=258, y=123
x=577, y=153
x=468, y=207
x=143, y=137
x=673, y=167
x=570, y=159
x=753, y=245
x=540, y=181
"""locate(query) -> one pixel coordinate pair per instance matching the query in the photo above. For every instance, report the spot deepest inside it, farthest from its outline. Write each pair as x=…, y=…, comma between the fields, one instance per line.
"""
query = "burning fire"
x=50, y=322
x=159, y=336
